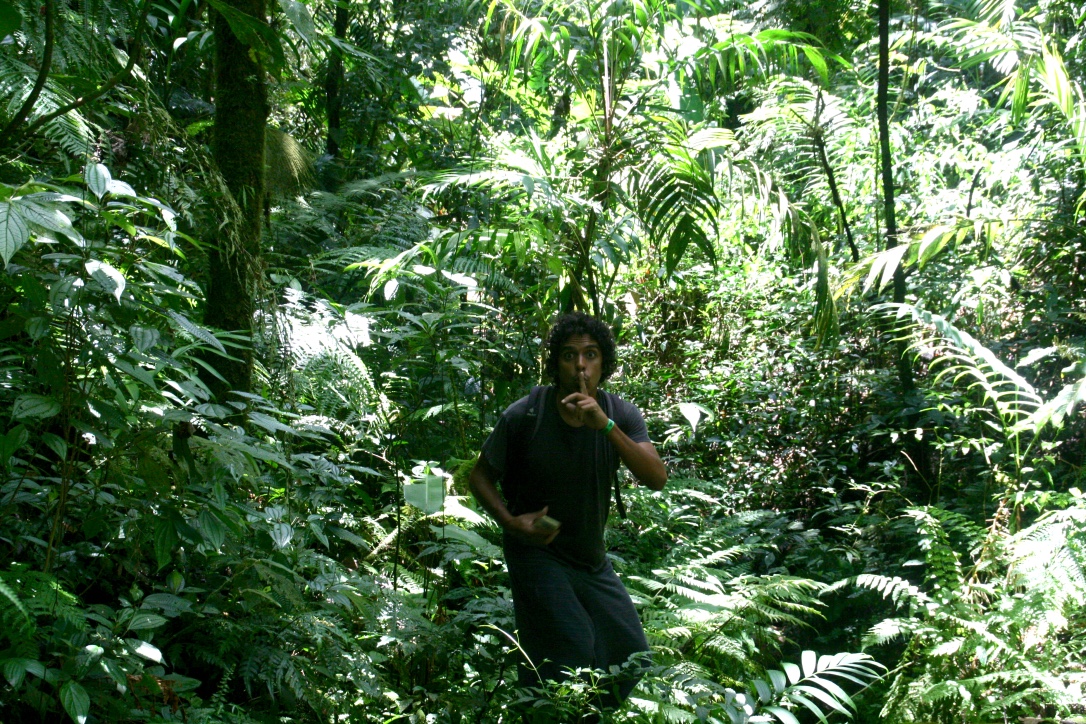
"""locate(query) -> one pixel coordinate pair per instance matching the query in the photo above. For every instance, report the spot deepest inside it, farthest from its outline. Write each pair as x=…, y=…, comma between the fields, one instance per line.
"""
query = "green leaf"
x=14, y=672
x=30, y=407
x=783, y=714
x=255, y=33
x=56, y=444
x=14, y=231
x=270, y=424
x=808, y=660
x=143, y=621
x=10, y=19
x=299, y=17
x=165, y=539
x=197, y=331
x=47, y=217
x=281, y=534
x=10, y=443
x=455, y=532
x=428, y=495
x=76, y=701
x=817, y=62
x=115, y=672
x=107, y=276
x=212, y=529
x=146, y=650
x=98, y=178
x=143, y=338
x=692, y=413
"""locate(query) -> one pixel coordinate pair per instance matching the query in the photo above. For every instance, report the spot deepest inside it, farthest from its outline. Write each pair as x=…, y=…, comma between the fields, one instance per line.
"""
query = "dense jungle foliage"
x=272, y=271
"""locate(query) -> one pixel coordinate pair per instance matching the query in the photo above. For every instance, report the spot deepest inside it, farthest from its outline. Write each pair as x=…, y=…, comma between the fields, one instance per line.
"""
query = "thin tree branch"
x=43, y=75
x=108, y=85
x=820, y=143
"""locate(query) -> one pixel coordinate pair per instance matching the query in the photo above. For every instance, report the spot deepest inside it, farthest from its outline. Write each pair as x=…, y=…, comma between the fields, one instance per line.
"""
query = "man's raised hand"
x=584, y=407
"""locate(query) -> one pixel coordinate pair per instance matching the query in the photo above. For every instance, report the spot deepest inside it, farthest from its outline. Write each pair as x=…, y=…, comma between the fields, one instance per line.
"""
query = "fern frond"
x=1011, y=396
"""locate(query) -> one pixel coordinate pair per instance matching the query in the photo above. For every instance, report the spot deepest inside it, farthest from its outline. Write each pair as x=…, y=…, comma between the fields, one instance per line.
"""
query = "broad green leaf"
x=197, y=331
x=455, y=532
x=299, y=16
x=817, y=62
x=176, y=583
x=255, y=33
x=165, y=539
x=56, y=444
x=792, y=671
x=779, y=680
x=34, y=407
x=10, y=443
x=315, y=527
x=147, y=651
x=14, y=231
x=764, y=694
x=47, y=217
x=76, y=701
x=428, y=495
x=1035, y=355
x=142, y=621
x=270, y=424
x=692, y=413
x=808, y=660
x=15, y=671
x=783, y=714
x=212, y=529
x=115, y=672
x=10, y=19
x=108, y=276
x=144, y=338
x=282, y=534
x=120, y=188
x=98, y=178
x=824, y=697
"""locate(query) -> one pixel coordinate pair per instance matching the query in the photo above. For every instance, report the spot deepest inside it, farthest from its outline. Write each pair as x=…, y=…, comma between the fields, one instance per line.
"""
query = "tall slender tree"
x=241, y=114
x=904, y=368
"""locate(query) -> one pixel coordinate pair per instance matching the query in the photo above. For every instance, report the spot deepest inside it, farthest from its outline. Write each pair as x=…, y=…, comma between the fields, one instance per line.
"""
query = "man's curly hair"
x=569, y=325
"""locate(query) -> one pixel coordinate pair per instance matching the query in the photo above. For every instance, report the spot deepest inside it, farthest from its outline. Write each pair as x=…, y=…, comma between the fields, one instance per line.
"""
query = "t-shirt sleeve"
x=496, y=445
x=631, y=422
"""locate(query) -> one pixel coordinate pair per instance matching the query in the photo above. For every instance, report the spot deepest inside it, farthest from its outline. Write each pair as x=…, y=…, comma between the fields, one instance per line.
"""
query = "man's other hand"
x=524, y=529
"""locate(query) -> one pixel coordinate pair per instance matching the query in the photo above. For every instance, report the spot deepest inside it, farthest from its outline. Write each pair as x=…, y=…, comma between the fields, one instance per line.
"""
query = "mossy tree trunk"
x=334, y=83
x=241, y=114
x=904, y=368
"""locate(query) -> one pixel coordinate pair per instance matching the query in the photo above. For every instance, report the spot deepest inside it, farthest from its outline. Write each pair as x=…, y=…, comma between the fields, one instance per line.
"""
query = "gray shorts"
x=569, y=619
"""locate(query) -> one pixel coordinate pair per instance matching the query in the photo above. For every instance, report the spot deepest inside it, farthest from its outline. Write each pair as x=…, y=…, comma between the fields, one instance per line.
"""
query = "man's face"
x=579, y=357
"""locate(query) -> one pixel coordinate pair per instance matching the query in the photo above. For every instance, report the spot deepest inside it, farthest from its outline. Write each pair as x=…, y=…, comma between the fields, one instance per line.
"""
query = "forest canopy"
x=272, y=271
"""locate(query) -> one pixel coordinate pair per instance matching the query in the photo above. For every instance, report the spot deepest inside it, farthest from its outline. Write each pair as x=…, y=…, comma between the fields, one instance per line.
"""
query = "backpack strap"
x=608, y=408
x=537, y=399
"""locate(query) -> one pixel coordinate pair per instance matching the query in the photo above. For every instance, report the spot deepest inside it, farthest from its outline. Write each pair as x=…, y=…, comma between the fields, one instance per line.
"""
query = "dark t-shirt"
x=566, y=468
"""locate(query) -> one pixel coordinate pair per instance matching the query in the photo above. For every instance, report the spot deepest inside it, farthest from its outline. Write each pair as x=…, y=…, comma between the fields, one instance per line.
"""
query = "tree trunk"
x=904, y=369
x=333, y=86
x=241, y=114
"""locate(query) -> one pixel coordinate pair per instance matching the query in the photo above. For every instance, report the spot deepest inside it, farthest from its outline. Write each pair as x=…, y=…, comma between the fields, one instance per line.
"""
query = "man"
x=555, y=452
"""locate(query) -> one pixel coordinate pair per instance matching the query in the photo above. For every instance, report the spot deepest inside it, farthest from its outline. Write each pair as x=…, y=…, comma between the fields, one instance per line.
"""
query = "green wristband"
x=610, y=424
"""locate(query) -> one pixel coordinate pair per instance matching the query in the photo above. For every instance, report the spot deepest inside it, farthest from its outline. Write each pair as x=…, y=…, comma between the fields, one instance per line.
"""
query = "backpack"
x=538, y=397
